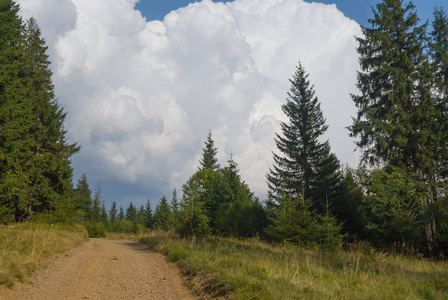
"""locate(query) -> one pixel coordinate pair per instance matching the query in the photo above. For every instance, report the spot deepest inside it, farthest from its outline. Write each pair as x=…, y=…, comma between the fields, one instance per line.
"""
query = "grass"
x=24, y=247
x=251, y=269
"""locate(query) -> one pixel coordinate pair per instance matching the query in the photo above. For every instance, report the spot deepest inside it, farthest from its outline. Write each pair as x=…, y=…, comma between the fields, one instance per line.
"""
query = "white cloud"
x=142, y=96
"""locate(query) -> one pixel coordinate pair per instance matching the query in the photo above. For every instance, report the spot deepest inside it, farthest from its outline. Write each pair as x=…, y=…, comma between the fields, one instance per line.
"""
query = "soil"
x=103, y=269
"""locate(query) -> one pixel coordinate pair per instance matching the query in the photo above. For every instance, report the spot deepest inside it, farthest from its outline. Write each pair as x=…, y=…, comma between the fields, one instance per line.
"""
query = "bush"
x=96, y=229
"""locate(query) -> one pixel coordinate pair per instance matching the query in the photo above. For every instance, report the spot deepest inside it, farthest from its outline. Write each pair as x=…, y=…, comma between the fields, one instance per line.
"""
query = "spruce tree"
x=131, y=213
x=148, y=215
x=162, y=215
x=439, y=53
x=83, y=197
x=396, y=108
x=51, y=174
x=304, y=163
x=113, y=216
x=96, y=205
x=16, y=121
x=209, y=152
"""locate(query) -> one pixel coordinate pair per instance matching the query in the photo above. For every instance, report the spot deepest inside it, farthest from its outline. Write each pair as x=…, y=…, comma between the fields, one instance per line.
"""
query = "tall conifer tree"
x=304, y=164
x=396, y=108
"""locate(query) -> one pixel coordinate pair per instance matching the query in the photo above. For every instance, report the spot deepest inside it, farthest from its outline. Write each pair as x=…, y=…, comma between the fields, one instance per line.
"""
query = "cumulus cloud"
x=141, y=96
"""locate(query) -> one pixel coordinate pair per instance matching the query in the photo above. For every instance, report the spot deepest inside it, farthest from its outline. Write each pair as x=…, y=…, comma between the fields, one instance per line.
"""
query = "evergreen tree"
x=104, y=217
x=174, y=209
x=141, y=213
x=240, y=214
x=396, y=108
x=305, y=164
x=131, y=213
x=51, y=174
x=439, y=54
x=162, y=215
x=83, y=197
x=113, y=216
x=16, y=140
x=209, y=152
x=193, y=219
x=148, y=215
x=96, y=205
x=121, y=214
x=35, y=172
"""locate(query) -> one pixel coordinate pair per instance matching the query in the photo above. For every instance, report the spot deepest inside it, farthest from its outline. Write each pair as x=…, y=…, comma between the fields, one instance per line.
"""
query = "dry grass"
x=255, y=270
x=24, y=247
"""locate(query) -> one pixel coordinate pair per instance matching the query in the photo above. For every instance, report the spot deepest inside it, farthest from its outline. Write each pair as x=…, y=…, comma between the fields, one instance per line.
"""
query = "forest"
x=396, y=200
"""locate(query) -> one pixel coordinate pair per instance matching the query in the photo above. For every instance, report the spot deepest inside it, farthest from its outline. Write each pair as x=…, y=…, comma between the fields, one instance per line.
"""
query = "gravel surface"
x=104, y=269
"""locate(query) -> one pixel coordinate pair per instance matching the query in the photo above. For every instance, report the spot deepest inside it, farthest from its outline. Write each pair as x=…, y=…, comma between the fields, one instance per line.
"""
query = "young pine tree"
x=209, y=152
x=162, y=215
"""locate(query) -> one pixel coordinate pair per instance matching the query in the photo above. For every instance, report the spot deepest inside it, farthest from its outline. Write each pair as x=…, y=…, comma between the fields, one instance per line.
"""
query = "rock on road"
x=104, y=269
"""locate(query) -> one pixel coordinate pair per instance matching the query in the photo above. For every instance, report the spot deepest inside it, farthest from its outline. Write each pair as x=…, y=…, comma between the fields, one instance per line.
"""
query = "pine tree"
x=240, y=214
x=305, y=163
x=162, y=215
x=51, y=173
x=16, y=119
x=113, y=216
x=121, y=214
x=396, y=108
x=439, y=54
x=96, y=205
x=131, y=213
x=174, y=209
x=35, y=171
x=209, y=152
x=148, y=215
x=193, y=219
x=104, y=217
x=83, y=197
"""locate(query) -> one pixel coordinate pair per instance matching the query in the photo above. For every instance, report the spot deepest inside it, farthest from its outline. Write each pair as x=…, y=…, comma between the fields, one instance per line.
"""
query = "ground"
x=103, y=269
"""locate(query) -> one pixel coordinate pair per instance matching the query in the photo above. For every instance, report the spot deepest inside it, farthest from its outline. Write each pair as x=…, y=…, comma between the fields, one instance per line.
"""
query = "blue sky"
x=358, y=10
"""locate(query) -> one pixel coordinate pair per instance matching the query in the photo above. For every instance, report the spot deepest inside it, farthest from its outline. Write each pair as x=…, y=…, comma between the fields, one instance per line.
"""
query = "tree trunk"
x=430, y=224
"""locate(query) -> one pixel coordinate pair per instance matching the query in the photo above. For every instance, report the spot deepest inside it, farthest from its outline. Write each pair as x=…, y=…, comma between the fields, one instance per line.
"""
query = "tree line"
x=395, y=200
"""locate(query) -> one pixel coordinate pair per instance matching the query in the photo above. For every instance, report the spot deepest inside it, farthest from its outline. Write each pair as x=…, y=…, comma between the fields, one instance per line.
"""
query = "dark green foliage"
x=162, y=215
x=391, y=209
x=294, y=222
x=35, y=172
x=240, y=214
x=96, y=205
x=113, y=217
x=193, y=219
x=95, y=229
x=121, y=214
x=83, y=198
x=209, y=159
x=400, y=120
x=305, y=164
x=175, y=206
x=305, y=173
x=131, y=213
x=149, y=222
x=329, y=230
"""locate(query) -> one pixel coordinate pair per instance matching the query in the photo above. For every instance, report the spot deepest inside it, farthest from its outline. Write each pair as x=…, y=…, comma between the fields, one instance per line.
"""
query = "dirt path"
x=104, y=269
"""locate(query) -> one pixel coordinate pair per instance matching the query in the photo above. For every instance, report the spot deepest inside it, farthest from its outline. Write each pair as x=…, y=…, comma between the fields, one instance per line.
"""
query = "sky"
x=144, y=83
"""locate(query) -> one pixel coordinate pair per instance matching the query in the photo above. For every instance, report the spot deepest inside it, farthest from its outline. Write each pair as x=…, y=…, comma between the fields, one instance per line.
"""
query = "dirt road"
x=104, y=269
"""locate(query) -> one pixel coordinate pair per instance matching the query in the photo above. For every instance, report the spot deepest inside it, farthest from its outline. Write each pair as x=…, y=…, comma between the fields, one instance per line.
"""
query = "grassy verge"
x=254, y=270
x=24, y=247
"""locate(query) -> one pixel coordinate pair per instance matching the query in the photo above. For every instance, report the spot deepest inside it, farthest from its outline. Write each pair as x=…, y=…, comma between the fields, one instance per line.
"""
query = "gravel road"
x=104, y=269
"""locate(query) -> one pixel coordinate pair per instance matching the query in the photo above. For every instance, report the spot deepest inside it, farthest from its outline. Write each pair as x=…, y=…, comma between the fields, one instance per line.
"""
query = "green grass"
x=252, y=269
x=24, y=247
